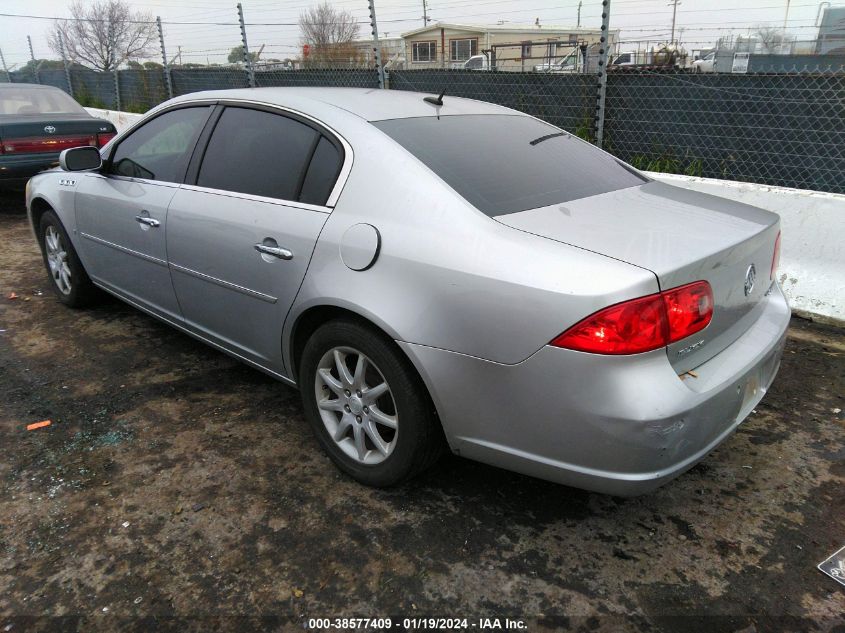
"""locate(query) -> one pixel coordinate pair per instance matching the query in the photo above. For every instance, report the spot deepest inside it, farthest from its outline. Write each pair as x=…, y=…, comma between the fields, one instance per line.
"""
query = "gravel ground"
x=180, y=486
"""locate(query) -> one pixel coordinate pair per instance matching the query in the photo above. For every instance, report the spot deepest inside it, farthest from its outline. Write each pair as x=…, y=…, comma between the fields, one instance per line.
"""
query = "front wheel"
x=68, y=278
x=367, y=407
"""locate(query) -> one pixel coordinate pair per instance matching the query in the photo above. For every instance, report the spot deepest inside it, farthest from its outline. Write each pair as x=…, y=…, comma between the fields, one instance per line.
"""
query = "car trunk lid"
x=51, y=133
x=681, y=236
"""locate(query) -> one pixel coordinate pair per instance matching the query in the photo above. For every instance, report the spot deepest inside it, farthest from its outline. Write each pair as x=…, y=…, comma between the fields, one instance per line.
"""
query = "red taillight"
x=644, y=324
x=45, y=144
x=104, y=137
x=775, y=257
x=688, y=309
x=634, y=326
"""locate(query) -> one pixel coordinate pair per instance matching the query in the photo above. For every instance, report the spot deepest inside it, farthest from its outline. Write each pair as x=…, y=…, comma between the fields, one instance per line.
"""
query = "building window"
x=462, y=50
x=425, y=52
x=526, y=49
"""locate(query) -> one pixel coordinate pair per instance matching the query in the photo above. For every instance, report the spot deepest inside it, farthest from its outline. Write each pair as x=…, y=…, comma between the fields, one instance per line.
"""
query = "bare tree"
x=770, y=38
x=328, y=32
x=104, y=33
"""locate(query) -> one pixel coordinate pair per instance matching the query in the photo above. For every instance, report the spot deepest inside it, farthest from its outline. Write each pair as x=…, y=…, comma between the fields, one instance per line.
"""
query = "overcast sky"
x=702, y=21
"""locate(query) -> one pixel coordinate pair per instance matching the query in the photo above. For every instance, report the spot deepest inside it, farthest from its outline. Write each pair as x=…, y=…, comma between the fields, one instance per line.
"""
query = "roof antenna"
x=438, y=101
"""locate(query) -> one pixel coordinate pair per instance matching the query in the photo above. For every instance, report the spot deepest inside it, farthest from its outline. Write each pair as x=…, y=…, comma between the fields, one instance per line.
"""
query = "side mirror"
x=80, y=159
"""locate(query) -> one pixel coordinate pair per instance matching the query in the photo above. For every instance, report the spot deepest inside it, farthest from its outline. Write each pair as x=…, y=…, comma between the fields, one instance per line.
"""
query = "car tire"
x=343, y=416
x=68, y=278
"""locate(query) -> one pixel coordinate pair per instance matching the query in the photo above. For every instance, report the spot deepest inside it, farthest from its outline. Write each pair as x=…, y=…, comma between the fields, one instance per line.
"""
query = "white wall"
x=121, y=120
x=812, y=261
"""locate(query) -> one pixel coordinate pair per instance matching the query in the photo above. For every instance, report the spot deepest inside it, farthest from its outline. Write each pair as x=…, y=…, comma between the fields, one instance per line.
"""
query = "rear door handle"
x=275, y=251
x=143, y=219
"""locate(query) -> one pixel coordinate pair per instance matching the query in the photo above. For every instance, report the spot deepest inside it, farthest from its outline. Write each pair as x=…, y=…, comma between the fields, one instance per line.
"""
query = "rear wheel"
x=68, y=278
x=366, y=405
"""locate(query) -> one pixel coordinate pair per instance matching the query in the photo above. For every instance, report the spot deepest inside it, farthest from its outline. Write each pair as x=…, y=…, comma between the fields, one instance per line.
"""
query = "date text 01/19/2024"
x=417, y=623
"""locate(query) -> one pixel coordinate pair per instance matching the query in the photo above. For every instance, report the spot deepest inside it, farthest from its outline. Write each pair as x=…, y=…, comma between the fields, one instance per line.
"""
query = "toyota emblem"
x=49, y=129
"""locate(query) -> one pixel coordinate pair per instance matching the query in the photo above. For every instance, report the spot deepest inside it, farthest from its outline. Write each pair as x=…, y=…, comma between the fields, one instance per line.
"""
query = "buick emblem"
x=49, y=129
x=750, y=277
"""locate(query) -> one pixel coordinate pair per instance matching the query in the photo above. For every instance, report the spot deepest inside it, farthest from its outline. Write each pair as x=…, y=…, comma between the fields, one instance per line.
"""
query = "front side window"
x=269, y=155
x=568, y=61
x=160, y=149
x=462, y=50
x=425, y=51
x=504, y=163
x=475, y=63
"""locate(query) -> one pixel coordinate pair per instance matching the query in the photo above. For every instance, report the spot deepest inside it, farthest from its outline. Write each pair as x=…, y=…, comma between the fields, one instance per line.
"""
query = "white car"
x=706, y=64
x=476, y=62
x=572, y=63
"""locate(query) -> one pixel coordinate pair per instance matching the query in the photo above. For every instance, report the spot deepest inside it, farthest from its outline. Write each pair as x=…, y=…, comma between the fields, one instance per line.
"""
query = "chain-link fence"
x=777, y=129
x=565, y=100
x=784, y=126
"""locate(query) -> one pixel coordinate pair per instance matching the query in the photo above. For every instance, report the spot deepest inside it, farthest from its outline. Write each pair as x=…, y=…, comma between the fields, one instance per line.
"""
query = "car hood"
x=681, y=236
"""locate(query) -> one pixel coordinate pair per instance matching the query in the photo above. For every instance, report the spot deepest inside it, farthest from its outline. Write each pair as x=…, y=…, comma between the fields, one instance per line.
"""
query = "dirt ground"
x=179, y=488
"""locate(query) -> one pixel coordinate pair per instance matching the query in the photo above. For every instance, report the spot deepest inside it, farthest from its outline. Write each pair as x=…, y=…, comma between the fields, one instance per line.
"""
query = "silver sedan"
x=432, y=274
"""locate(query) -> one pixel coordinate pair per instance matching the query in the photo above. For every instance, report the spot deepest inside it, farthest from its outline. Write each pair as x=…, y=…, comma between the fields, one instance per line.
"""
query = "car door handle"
x=143, y=219
x=275, y=251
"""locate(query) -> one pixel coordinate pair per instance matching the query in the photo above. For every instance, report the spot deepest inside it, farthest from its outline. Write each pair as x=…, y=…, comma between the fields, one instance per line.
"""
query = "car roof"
x=18, y=86
x=368, y=104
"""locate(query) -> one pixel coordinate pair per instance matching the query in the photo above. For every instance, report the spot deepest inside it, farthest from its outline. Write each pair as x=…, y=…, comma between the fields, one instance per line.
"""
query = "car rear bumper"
x=621, y=425
x=26, y=165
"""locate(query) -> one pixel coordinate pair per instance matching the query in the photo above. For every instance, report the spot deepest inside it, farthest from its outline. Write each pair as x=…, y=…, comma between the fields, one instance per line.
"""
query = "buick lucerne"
x=432, y=273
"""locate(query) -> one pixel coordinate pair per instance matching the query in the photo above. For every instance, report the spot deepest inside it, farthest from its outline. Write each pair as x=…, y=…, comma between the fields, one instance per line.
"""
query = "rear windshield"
x=25, y=100
x=508, y=163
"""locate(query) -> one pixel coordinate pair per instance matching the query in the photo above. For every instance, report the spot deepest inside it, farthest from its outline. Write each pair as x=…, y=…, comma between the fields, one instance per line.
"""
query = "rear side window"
x=258, y=153
x=23, y=100
x=509, y=163
x=322, y=173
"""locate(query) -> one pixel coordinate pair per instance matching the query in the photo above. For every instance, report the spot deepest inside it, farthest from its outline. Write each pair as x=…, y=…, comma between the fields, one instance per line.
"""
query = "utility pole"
x=64, y=62
x=604, y=41
x=115, y=75
x=167, y=79
x=376, y=45
x=786, y=16
x=250, y=73
x=32, y=57
x=425, y=13
x=579, y=14
x=5, y=68
x=674, y=4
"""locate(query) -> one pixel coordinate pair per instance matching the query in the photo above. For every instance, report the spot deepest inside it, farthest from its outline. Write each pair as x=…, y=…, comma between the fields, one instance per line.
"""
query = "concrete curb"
x=812, y=263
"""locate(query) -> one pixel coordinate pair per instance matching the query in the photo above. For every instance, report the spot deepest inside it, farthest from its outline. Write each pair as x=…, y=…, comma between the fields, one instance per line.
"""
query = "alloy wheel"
x=57, y=260
x=356, y=405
